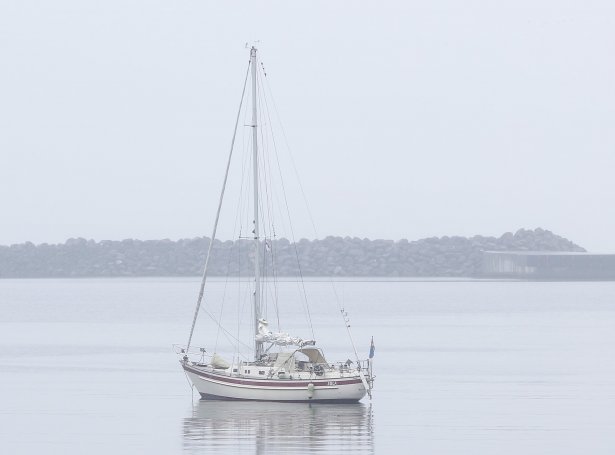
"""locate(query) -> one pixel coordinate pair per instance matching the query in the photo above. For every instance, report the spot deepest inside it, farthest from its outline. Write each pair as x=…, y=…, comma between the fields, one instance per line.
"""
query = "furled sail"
x=265, y=335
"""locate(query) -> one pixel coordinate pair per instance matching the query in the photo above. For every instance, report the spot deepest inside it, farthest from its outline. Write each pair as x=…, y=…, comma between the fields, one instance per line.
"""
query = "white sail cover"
x=218, y=362
x=265, y=335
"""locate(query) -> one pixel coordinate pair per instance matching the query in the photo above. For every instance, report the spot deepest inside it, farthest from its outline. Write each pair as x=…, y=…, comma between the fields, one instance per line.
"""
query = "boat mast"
x=258, y=346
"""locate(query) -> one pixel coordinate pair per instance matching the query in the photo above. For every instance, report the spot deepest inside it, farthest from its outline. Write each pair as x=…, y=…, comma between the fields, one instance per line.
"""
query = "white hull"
x=215, y=386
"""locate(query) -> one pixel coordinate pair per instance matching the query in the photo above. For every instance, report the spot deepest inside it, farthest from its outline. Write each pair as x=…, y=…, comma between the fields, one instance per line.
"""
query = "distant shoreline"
x=444, y=258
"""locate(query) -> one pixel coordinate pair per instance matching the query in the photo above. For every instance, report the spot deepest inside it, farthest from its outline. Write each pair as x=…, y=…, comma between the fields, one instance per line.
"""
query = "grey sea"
x=472, y=367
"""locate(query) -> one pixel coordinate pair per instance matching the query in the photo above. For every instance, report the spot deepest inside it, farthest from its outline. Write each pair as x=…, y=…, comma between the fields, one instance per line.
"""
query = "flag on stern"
x=372, y=349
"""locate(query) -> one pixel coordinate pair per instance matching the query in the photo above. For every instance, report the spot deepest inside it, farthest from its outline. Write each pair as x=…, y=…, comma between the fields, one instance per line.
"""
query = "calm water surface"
x=86, y=366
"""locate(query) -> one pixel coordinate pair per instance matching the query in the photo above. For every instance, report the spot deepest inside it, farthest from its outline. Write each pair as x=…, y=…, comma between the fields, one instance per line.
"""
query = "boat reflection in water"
x=266, y=428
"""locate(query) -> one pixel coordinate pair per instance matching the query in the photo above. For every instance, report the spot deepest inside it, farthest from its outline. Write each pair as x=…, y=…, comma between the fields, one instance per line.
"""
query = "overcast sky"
x=406, y=119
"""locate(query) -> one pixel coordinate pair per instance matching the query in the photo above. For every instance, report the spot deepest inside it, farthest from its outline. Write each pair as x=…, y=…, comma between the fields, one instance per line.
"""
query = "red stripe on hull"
x=269, y=383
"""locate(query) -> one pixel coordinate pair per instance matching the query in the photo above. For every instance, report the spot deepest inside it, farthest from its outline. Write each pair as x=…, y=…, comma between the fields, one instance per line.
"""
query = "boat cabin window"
x=261, y=372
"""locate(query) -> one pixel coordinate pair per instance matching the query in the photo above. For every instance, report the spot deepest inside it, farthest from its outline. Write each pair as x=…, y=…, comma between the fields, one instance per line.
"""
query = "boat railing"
x=192, y=353
x=364, y=364
x=352, y=366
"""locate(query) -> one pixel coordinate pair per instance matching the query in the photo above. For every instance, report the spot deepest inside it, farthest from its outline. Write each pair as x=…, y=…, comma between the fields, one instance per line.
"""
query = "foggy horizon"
x=482, y=133
x=406, y=120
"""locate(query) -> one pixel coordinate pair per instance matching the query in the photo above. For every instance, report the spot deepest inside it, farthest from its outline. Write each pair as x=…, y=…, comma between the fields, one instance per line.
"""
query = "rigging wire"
x=235, y=245
x=290, y=153
x=268, y=220
x=213, y=236
x=285, y=200
x=268, y=179
x=343, y=313
x=228, y=266
x=226, y=332
x=249, y=238
x=265, y=206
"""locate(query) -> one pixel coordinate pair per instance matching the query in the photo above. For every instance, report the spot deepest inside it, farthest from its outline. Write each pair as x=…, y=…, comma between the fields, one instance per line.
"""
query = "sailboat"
x=284, y=368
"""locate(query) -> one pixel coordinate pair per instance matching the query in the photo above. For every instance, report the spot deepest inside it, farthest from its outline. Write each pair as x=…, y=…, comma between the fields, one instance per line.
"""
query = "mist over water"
x=464, y=367
x=403, y=120
x=421, y=118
